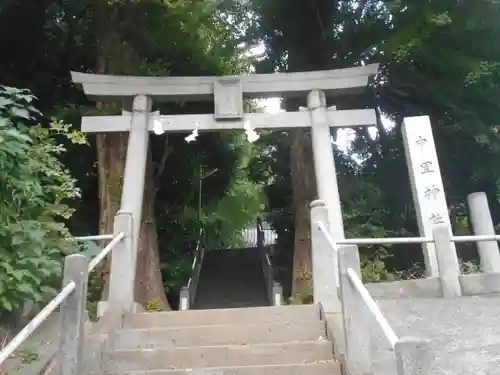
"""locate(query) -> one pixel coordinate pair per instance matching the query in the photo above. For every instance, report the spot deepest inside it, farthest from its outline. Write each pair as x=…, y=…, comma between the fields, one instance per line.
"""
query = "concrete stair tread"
x=213, y=335
x=328, y=367
x=229, y=346
x=236, y=316
x=219, y=356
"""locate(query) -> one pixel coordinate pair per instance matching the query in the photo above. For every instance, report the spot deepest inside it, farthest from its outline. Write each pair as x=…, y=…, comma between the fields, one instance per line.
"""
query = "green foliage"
x=33, y=201
x=304, y=298
x=238, y=208
x=154, y=306
x=374, y=269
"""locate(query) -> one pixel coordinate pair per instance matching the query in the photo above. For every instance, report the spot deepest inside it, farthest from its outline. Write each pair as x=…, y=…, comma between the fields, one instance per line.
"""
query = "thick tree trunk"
x=308, y=49
x=304, y=192
x=111, y=153
x=148, y=283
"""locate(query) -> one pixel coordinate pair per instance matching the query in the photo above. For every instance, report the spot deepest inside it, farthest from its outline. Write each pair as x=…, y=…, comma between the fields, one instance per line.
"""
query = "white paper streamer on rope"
x=191, y=137
x=158, y=127
x=252, y=135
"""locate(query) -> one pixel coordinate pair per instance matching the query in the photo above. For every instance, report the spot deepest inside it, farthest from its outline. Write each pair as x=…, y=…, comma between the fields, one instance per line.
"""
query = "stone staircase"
x=231, y=278
x=285, y=340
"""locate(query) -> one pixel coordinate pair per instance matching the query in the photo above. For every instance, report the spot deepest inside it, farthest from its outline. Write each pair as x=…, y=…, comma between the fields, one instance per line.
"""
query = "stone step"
x=249, y=315
x=321, y=368
x=211, y=335
x=217, y=356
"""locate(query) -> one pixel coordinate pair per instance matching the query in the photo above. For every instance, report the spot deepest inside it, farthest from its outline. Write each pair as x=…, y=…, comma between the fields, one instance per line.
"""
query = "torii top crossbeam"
x=332, y=82
x=228, y=94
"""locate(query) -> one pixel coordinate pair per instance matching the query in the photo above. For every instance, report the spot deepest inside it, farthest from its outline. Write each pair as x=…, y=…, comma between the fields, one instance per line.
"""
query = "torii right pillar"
x=325, y=260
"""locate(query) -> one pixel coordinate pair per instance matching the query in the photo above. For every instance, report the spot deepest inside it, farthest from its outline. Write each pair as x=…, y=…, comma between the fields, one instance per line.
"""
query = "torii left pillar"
x=128, y=219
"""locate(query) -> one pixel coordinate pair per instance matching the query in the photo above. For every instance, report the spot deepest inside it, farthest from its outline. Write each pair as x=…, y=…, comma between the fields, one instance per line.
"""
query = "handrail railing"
x=104, y=252
x=273, y=288
x=188, y=292
x=98, y=237
x=398, y=240
x=408, y=240
x=447, y=266
x=75, y=279
x=356, y=304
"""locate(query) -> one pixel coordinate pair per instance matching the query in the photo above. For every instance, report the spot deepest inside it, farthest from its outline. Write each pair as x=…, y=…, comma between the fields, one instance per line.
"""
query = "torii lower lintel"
x=207, y=122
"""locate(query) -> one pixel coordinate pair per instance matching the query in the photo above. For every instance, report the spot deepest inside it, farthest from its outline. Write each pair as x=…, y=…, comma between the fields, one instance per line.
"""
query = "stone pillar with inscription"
x=426, y=184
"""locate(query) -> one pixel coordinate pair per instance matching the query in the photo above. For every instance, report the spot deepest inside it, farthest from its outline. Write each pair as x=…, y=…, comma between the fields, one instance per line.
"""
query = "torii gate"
x=228, y=94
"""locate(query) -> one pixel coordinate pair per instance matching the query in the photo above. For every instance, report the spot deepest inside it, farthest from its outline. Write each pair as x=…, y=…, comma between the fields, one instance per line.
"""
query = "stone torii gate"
x=228, y=94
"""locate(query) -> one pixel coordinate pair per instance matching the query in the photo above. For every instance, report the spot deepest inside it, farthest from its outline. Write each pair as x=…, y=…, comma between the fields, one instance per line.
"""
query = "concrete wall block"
x=356, y=322
x=73, y=316
x=449, y=268
x=123, y=264
x=324, y=262
x=413, y=356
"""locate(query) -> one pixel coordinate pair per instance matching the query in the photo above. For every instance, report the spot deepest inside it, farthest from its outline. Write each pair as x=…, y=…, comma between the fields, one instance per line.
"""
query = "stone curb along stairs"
x=284, y=340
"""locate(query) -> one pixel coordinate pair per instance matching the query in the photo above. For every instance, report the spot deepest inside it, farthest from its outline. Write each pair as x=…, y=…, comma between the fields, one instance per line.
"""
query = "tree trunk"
x=308, y=49
x=304, y=192
x=115, y=57
x=111, y=151
x=148, y=283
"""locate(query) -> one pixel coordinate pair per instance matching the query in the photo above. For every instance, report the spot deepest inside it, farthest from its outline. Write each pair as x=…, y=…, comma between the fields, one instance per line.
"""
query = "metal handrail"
x=478, y=238
x=329, y=238
x=399, y=240
x=99, y=237
x=28, y=330
x=196, y=259
x=268, y=260
x=384, y=241
x=99, y=257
